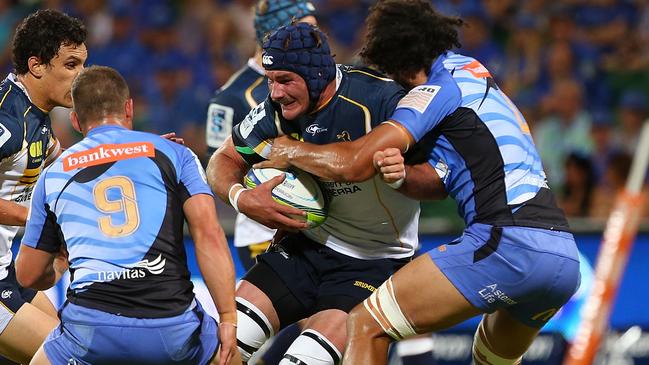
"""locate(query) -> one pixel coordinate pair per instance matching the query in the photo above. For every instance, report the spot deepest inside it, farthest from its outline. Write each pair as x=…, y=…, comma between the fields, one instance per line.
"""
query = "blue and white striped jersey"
x=480, y=145
x=115, y=200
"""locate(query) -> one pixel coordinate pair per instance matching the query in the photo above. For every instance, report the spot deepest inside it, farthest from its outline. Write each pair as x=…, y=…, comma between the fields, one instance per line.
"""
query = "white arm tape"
x=234, y=199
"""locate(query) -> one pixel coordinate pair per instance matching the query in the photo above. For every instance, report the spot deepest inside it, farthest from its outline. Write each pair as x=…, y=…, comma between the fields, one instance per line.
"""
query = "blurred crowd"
x=577, y=69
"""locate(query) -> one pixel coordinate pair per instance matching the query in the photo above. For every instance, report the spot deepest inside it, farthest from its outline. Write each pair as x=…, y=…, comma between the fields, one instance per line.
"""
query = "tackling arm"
x=226, y=169
x=38, y=269
x=342, y=161
x=12, y=214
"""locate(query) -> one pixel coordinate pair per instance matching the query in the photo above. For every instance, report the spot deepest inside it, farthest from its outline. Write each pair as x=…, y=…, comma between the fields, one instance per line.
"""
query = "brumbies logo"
x=314, y=129
x=108, y=153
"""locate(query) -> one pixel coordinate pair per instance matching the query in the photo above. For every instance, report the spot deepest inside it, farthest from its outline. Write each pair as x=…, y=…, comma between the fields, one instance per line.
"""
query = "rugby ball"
x=299, y=190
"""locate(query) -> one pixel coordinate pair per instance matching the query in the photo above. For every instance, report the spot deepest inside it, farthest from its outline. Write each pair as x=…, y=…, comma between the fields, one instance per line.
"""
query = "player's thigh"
x=40, y=358
x=42, y=302
x=506, y=335
x=427, y=298
x=25, y=332
x=259, y=299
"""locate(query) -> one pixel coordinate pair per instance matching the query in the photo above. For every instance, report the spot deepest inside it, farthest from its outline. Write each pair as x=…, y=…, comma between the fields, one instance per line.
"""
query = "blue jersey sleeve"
x=11, y=136
x=192, y=176
x=251, y=136
x=42, y=230
x=425, y=106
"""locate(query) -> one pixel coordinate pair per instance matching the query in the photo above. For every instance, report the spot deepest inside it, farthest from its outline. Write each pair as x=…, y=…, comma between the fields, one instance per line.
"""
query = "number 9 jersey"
x=115, y=201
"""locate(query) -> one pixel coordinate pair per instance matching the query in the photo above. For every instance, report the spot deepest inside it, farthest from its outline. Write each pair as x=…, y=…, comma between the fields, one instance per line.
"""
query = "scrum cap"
x=301, y=48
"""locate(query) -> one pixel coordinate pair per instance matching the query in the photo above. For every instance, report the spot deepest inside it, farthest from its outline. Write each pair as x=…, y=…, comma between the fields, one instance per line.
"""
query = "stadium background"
x=577, y=69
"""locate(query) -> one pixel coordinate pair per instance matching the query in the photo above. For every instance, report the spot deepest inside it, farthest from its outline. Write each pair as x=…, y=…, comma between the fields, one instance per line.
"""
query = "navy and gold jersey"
x=245, y=89
x=25, y=140
x=366, y=220
x=232, y=102
x=115, y=200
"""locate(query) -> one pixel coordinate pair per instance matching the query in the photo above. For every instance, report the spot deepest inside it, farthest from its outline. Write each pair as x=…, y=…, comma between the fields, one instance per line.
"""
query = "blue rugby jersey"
x=366, y=220
x=480, y=145
x=115, y=200
x=26, y=141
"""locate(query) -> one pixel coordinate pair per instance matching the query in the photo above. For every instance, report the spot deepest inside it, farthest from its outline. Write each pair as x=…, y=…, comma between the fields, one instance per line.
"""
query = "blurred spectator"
x=477, y=42
x=612, y=185
x=171, y=105
x=523, y=57
x=604, y=144
x=576, y=196
x=566, y=130
x=633, y=112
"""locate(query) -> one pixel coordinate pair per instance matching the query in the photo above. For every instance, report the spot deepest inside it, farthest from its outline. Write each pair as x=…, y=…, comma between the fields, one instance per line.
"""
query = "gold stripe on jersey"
x=387, y=211
x=248, y=93
x=30, y=175
x=5, y=95
x=370, y=75
x=366, y=112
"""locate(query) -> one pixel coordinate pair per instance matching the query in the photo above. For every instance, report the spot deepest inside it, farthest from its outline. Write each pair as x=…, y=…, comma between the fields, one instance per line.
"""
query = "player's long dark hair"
x=42, y=34
x=405, y=36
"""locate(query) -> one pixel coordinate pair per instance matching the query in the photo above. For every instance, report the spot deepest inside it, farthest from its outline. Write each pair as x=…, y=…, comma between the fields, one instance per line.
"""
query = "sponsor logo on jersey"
x=73, y=361
x=6, y=294
x=108, y=153
x=364, y=285
x=248, y=124
x=5, y=135
x=545, y=315
x=267, y=60
x=36, y=149
x=442, y=170
x=344, y=136
x=26, y=195
x=419, y=98
x=477, y=69
x=219, y=124
x=491, y=293
x=314, y=129
x=139, y=270
x=44, y=130
x=337, y=189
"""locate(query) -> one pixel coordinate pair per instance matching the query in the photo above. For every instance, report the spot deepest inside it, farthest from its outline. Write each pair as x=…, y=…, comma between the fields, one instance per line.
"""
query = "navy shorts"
x=530, y=272
x=89, y=336
x=321, y=278
x=12, y=296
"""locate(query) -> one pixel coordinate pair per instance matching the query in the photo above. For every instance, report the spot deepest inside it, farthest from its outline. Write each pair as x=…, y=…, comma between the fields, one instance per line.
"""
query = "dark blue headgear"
x=301, y=48
x=272, y=14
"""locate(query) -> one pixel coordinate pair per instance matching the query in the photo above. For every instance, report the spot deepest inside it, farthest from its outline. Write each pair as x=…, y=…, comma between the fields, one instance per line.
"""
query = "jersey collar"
x=255, y=66
x=104, y=128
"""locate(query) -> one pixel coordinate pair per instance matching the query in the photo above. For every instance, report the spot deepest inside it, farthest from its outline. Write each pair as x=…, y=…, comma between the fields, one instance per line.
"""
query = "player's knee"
x=383, y=308
x=254, y=328
x=311, y=348
x=361, y=323
x=483, y=351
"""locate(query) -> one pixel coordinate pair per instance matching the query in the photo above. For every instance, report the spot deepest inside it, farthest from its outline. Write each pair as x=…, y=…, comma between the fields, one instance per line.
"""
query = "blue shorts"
x=529, y=272
x=90, y=336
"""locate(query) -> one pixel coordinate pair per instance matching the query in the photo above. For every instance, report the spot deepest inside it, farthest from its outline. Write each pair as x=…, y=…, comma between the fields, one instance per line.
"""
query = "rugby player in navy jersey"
x=371, y=230
x=244, y=91
x=117, y=201
x=48, y=52
x=232, y=102
x=516, y=262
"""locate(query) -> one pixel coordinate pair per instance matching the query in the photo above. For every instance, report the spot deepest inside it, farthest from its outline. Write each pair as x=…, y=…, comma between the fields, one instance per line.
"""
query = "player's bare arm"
x=342, y=161
x=38, y=269
x=225, y=172
x=12, y=214
x=217, y=268
x=419, y=182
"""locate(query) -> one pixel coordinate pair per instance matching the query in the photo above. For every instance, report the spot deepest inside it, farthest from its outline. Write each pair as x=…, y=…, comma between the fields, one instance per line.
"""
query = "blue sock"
x=280, y=344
